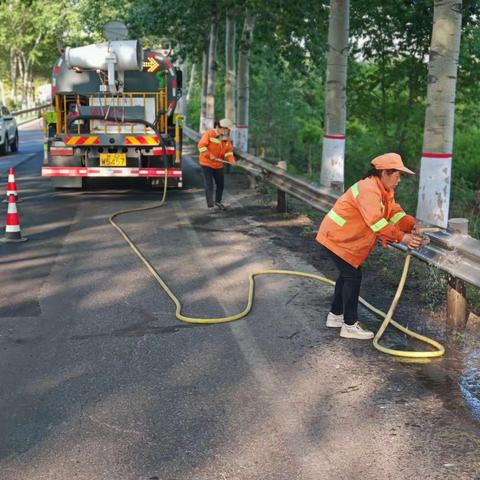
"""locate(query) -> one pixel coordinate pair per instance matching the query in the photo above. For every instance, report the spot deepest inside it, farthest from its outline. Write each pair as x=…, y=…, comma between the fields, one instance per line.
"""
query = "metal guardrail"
x=28, y=114
x=456, y=254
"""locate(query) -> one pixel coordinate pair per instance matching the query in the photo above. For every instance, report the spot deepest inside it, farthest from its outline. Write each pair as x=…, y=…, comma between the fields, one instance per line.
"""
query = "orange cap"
x=226, y=123
x=391, y=161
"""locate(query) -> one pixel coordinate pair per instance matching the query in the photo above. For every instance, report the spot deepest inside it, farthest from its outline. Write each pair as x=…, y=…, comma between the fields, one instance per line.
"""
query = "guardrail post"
x=456, y=293
x=281, y=195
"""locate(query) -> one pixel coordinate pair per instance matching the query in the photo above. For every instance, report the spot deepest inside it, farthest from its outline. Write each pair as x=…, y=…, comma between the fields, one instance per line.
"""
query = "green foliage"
x=466, y=160
x=29, y=30
x=289, y=128
x=459, y=337
x=193, y=107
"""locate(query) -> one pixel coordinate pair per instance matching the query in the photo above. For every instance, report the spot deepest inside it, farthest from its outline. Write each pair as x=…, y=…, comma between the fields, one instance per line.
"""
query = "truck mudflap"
x=111, y=172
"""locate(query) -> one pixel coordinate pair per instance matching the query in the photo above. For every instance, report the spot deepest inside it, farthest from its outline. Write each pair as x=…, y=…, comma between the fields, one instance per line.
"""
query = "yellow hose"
x=440, y=350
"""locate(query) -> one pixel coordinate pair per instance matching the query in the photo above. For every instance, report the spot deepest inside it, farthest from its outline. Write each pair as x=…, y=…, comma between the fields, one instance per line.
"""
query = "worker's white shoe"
x=355, y=331
x=334, y=321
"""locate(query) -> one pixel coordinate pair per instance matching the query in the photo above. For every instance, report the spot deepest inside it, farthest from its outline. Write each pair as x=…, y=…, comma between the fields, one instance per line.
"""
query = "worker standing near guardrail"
x=216, y=149
x=367, y=211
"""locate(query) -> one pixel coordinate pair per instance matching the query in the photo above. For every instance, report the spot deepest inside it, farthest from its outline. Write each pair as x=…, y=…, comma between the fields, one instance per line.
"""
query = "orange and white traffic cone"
x=12, y=228
x=11, y=186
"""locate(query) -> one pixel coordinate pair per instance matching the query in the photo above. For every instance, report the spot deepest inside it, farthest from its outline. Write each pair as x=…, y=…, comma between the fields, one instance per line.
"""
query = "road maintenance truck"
x=113, y=115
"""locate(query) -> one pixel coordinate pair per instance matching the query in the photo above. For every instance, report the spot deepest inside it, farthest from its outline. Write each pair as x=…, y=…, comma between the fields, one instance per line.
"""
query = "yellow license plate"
x=113, y=159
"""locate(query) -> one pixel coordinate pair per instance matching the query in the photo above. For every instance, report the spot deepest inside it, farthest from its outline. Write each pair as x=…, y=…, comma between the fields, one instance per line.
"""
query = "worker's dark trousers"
x=347, y=289
x=211, y=174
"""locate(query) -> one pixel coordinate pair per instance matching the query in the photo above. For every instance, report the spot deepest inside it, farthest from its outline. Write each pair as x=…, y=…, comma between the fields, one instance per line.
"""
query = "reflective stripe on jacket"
x=211, y=145
x=365, y=212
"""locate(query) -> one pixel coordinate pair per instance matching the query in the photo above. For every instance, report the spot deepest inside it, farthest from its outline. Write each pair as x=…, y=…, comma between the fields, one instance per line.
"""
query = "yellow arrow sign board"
x=151, y=65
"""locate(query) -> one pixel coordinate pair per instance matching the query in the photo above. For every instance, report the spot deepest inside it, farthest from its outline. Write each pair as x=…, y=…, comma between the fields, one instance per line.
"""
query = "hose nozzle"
x=423, y=231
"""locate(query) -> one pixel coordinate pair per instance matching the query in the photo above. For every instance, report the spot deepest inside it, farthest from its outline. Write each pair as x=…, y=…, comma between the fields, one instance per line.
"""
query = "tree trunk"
x=243, y=79
x=29, y=83
x=29, y=73
x=13, y=74
x=189, y=90
x=230, y=69
x=435, y=170
x=333, y=151
x=203, y=102
x=212, y=75
x=22, y=72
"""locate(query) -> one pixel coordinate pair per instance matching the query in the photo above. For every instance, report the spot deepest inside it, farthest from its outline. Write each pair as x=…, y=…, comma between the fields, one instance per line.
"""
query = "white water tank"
x=128, y=55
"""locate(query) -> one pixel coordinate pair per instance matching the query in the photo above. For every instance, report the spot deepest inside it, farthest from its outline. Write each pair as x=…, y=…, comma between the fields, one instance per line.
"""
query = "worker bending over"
x=215, y=149
x=364, y=213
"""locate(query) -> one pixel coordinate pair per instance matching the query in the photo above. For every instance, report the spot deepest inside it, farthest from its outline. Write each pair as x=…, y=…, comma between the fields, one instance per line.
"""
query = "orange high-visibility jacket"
x=365, y=212
x=212, y=145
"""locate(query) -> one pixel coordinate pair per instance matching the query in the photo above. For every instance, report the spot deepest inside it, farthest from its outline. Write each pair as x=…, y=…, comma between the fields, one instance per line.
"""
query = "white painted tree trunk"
x=243, y=79
x=333, y=151
x=230, y=70
x=212, y=76
x=13, y=74
x=203, y=101
x=435, y=170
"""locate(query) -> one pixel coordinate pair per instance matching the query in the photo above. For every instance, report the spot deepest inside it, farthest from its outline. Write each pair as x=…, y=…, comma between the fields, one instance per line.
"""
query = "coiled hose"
x=439, y=349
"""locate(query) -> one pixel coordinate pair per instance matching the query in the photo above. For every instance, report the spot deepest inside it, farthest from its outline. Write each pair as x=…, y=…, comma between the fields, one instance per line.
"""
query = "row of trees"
x=283, y=79
x=27, y=40
x=435, y=171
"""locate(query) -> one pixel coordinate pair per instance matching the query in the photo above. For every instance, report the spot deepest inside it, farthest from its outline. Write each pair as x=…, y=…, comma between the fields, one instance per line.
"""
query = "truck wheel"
x=5, y=147
x=14, y=145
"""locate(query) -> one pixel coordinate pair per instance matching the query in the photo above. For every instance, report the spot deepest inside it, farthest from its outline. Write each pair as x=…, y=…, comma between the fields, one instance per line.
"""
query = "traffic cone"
x=12, y=228
x=11, y=186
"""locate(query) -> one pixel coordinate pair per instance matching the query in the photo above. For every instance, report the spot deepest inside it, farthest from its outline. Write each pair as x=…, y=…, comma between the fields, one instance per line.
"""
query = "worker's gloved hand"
x=412, y=240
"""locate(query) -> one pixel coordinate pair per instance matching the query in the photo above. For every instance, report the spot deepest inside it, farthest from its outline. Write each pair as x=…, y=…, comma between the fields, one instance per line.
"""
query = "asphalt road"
x=99, y=381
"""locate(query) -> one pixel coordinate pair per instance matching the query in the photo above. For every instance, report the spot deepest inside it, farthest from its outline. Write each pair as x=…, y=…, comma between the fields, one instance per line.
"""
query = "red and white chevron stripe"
x=11, y=184
x=110, y=172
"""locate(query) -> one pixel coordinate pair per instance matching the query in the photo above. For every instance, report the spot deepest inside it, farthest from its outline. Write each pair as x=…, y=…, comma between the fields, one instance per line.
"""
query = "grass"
x=459, y=337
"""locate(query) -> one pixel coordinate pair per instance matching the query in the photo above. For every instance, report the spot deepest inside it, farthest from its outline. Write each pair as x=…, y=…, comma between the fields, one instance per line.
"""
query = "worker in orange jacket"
x=215, y=149
x=367, y=211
